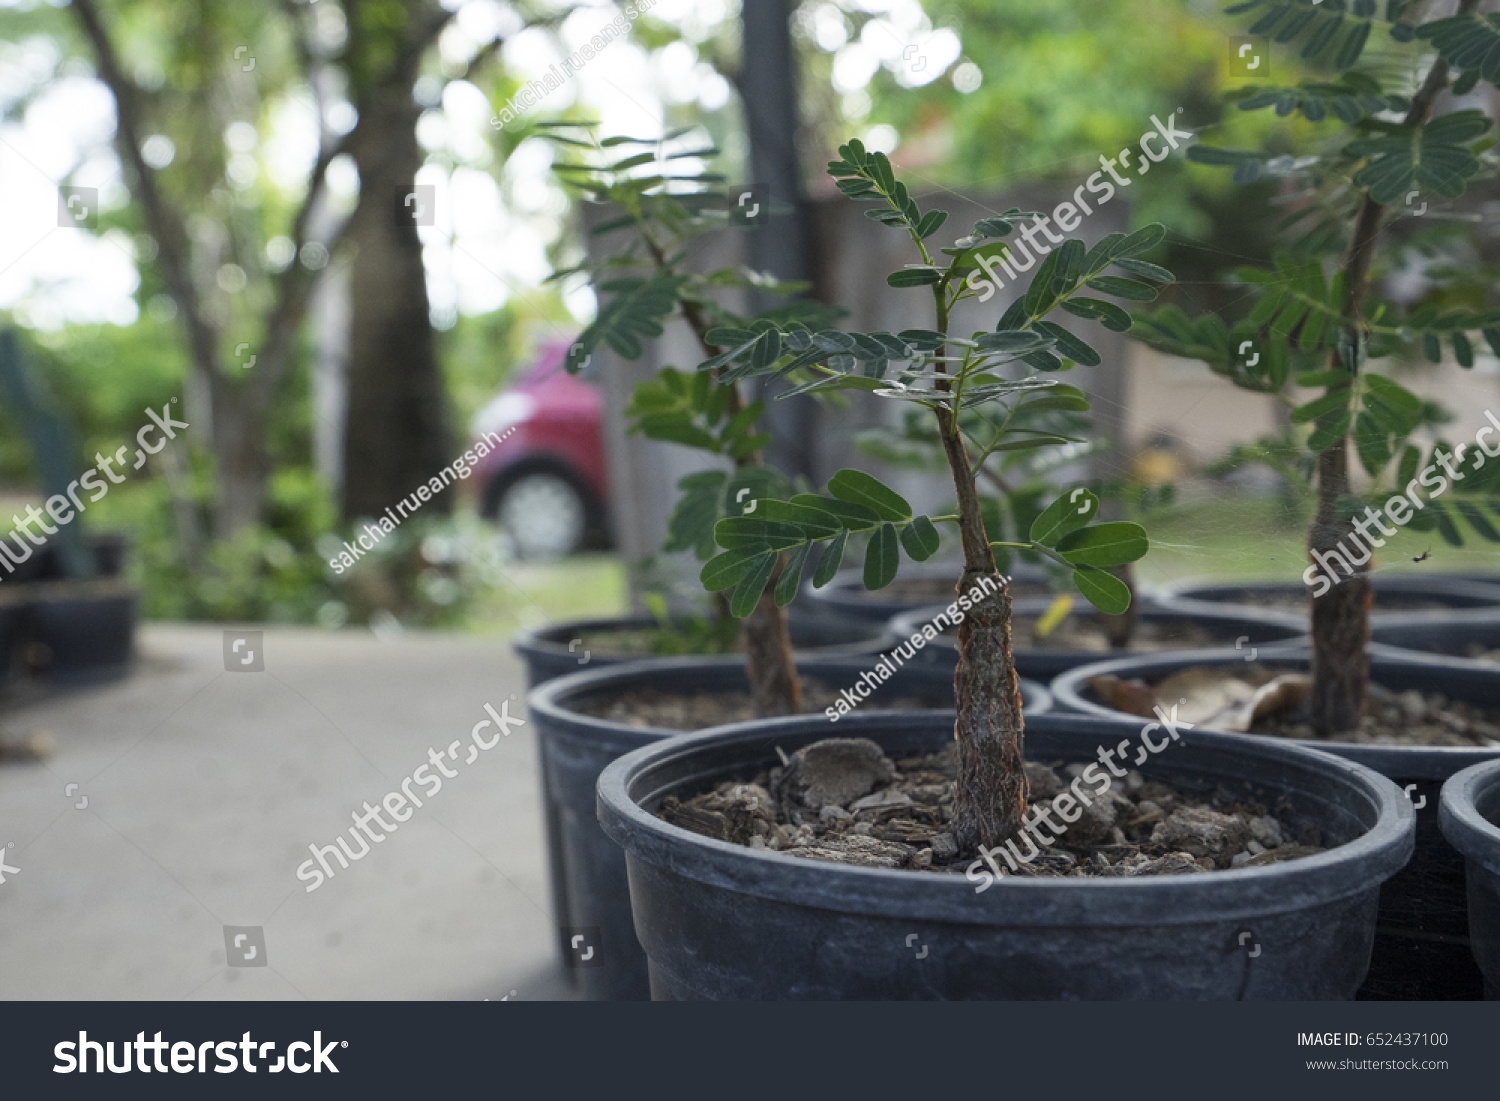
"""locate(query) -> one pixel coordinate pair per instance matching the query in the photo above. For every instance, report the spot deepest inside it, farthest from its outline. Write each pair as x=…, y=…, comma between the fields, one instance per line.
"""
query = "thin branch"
x=996, y=480
x=304, y=53
x=164, y=221
x=1367, y=222
x=411, y=52
x=483, y=54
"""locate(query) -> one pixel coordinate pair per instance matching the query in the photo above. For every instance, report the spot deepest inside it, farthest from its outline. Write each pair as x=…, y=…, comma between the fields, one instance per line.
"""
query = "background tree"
x=648, y=282
x=262, y=315
x=396, y=424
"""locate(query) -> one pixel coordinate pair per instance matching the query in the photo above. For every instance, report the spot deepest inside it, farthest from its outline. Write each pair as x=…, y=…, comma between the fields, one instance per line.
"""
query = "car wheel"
x=544, y=514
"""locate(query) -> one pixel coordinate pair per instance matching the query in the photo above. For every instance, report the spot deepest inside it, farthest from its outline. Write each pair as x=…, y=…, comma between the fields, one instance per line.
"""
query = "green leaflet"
x=814, y=522
x=858, y=488
x=747, y=592
x=1066, y=514
x=726, y=570
x=1110, y=544
x=850, y=515
x=791, y=576
x=833, y=557
x=1103, y=590
x=734, y=532
x=882, y=558
x=921, y=539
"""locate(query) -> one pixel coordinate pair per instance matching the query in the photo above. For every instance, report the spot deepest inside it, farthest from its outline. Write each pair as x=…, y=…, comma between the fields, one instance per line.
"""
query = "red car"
x=546, y=483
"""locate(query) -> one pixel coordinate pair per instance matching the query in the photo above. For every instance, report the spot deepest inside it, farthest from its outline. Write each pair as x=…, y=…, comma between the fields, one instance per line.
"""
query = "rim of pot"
x=553, y=638
x=1349, y=869
x=1459, y=815
x=552, y=699
x=1486, y=595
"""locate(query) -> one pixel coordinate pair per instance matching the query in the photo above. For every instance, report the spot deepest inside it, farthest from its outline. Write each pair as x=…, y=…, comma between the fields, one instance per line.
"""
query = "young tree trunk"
x=775, y=688
x=1120, y=629
x=992, y=792
x=1341, y=616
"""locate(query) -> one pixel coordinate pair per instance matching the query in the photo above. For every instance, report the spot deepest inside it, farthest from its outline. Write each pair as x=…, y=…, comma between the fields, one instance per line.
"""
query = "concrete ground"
x=204, y=789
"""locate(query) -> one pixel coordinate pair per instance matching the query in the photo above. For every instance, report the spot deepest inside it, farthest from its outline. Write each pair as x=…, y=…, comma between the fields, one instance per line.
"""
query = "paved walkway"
x=204, y=789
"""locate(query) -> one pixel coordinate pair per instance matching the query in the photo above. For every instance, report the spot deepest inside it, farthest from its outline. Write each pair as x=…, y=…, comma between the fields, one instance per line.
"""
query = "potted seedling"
x=1317, y=321
x=747, y=666
x=801, y=857
x=644, y=281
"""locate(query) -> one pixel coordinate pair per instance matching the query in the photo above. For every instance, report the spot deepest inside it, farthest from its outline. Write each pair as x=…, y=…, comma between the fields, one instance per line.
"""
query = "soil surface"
x=1265, y=701
x=843, y=800
x=1403, y=718
x=651, y=707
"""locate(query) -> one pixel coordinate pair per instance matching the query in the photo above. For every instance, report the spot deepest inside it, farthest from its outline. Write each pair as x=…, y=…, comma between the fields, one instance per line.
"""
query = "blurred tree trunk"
x=239, y=445
x=395, y=426
x=781, y=245
x=384, y=50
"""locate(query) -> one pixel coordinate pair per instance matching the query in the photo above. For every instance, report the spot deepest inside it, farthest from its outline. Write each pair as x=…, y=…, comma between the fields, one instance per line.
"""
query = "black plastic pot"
x=560, y=649
x=1044, y=664
x=1481, y=577
x=1468, y=812
x=108, y=548
x=917, y=587
x=37, y=567
x=86, y=629
x=563, y=649
x=1452, y=635
x=13, y=614
x=588, y=871
x=1395, y=597
x=1422, y=951
x=719, y=921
